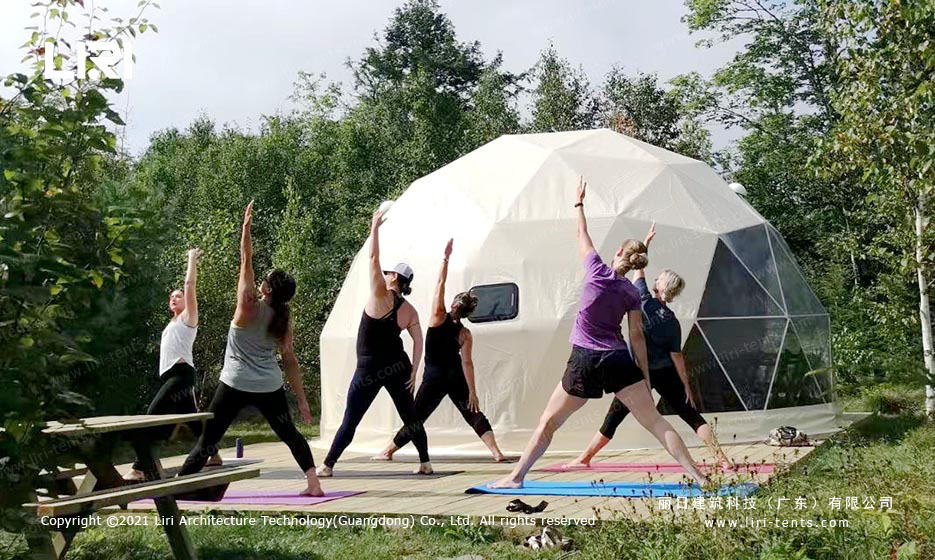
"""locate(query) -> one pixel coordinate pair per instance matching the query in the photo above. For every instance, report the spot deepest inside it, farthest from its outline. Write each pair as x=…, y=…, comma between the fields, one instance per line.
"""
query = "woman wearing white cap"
x=381, y=359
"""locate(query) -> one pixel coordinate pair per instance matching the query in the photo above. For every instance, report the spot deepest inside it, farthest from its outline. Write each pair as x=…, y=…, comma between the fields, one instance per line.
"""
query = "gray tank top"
x=250, y=358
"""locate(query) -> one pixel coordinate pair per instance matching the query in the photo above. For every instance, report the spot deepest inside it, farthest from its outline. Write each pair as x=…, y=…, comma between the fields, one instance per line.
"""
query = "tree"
x=886, y=130
x=638, y=107
x=66, y=255
x=562, y=98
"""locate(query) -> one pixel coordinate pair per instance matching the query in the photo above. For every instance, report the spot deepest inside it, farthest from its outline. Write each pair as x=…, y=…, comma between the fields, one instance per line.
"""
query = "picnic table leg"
x=168, y=509
x=39, y=540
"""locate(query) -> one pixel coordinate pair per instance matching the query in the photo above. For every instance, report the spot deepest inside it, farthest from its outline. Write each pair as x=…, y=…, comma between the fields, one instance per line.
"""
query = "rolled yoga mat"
x=611, y=489
x=267, y=498
x=752, y=468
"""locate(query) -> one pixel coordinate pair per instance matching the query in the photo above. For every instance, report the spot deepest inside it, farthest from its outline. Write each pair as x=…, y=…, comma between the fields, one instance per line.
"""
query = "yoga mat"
x=764, y=468
x=623, y=490
x=438, y=459
x=392, y=475
x=269, y=498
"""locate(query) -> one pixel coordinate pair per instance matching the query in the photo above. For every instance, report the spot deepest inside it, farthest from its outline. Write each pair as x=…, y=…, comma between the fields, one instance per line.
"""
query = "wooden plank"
x=155, y=489
x=105, y=424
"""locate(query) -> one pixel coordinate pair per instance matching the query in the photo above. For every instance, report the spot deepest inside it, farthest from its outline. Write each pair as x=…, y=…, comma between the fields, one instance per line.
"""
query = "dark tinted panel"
x=495, y=302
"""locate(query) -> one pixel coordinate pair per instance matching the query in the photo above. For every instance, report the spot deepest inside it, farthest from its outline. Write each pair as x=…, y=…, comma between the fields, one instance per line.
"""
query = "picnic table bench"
x=95, y=441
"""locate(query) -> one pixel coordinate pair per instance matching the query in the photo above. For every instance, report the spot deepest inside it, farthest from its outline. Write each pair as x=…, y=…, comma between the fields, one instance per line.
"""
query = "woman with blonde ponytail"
x=667, y=372
x=600, y=360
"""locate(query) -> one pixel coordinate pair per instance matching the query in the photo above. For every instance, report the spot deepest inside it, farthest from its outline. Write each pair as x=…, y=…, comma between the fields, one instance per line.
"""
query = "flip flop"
x=520, y=506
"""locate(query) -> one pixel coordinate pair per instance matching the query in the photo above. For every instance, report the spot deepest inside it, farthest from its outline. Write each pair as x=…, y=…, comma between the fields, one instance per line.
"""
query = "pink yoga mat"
x=765, y=468
x=270, y=498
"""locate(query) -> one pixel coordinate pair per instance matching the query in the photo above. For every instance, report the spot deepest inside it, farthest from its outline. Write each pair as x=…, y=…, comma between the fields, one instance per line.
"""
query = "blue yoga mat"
x=610, y=489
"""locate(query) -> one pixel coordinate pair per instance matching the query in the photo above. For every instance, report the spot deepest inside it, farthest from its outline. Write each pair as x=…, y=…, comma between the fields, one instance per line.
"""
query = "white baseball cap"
x=402, y=269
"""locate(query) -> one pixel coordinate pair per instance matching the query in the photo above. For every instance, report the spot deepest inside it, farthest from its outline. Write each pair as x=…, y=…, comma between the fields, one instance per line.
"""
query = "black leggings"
x=667, y=383
x=366, y=384
x=226, y=404
x=176, y=396
x=436, y=383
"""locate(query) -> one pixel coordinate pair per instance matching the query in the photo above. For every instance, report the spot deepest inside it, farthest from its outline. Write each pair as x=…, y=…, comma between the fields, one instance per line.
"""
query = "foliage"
x=562, y=96
x=70, y=250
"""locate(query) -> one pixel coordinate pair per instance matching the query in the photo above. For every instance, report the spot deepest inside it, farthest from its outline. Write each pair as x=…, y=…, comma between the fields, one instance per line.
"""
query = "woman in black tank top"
x=449, y=368
x=381, y=360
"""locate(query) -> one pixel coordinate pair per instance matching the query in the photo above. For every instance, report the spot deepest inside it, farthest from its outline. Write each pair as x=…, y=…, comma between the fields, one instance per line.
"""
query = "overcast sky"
x=237, y=60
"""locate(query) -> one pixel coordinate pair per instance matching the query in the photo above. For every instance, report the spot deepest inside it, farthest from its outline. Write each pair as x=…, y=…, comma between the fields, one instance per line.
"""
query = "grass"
x=888, y=455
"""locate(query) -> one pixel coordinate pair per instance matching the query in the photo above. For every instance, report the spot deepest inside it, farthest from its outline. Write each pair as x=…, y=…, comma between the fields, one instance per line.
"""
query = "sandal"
x=519, y=506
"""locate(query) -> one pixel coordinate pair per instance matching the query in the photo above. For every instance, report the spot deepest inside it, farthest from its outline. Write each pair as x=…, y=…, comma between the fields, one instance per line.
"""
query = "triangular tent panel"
x=713, y=392
x=794, y=384
x=748, y=350
x=752, y=247
x=800, y=299
x=732, y=292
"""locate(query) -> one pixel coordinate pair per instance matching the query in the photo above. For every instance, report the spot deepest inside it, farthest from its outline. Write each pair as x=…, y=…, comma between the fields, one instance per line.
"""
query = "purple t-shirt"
x=605, y=299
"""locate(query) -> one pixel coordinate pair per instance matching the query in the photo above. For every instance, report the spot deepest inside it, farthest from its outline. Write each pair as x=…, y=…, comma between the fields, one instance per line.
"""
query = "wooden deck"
x=387, y=490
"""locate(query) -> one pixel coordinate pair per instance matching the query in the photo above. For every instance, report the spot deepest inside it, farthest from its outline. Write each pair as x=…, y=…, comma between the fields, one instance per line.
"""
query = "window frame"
x=498, y=318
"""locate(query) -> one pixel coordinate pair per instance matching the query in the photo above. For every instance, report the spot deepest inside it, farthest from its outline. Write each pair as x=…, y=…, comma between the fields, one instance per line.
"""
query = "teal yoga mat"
x=611, y=489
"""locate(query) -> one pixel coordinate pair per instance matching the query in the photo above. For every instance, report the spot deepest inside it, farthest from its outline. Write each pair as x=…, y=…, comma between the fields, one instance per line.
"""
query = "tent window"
x=495, y=302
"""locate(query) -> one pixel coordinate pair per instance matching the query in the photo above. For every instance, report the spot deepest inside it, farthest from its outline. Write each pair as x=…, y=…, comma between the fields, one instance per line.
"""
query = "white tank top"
x=176, y=346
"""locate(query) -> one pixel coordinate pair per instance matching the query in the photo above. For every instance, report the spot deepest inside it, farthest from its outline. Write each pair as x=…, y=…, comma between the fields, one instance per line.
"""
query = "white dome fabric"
x=756, y=339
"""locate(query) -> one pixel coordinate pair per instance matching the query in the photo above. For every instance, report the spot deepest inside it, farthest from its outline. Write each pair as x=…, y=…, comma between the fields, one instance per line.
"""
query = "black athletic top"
x=660, y=327
x=379, y=338
x=442, y=347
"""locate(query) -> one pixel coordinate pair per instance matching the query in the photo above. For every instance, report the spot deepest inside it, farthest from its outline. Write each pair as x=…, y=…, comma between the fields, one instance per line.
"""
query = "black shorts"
x=592, y=373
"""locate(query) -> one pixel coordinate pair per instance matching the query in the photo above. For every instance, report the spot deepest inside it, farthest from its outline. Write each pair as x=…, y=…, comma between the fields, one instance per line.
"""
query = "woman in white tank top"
x=176, y=364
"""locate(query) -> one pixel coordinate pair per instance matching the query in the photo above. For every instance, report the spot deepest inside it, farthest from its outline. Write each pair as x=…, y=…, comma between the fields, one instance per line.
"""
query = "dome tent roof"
x=509, y=207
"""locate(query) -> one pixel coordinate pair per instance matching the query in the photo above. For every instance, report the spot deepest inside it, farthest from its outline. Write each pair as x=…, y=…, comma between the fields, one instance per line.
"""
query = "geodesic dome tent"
x=755, y=337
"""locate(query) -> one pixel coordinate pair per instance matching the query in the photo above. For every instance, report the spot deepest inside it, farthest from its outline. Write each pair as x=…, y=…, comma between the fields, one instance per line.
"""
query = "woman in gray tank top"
x=251, y=376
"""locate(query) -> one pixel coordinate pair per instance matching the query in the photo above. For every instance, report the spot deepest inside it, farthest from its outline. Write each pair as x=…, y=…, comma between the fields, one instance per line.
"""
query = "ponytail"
x=282, y=289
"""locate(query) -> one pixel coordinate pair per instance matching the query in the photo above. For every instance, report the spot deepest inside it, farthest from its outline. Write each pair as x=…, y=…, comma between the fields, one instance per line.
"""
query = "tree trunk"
x=925, y=317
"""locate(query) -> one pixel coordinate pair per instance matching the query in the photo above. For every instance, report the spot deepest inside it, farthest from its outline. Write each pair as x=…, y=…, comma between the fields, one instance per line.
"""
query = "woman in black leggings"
x=381, y=359
x=449, y=368
x=251, y=374
x=176, y=362
x=667, y=373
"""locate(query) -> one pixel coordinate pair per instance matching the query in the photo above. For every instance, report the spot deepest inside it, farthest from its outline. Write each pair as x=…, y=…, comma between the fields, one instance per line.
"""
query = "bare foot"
x=134, y=476
x=499, y=457
x=578, y=464
x=725, y=464
x=424, y=468
x=382, y=457
x=324, y=471
x=215, y=461
x=507, y=482
x=315, y=491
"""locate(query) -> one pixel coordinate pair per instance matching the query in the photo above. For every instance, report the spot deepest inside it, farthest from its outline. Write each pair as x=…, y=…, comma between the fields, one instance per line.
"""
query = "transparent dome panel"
x=795, y=383
x=815, y=336
x=748, y=350
x=751, y=246
x=731, y=291
x=712, y=390
x=799, y=297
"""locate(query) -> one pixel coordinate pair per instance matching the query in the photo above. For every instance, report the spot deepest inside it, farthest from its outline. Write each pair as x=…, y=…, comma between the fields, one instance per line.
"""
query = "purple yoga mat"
x=764, y=468
x=268, y=498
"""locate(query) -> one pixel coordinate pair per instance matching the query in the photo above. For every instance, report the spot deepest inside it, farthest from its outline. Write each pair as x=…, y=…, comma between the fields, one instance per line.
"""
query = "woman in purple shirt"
x=600, y=361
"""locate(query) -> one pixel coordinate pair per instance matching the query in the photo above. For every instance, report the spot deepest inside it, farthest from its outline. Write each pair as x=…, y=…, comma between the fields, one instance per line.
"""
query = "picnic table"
x=96, y=442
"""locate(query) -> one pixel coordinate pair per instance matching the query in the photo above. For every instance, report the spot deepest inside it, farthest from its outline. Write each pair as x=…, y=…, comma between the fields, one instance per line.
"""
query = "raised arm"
x=294, y=375
x=438, y=302
x=377, y=284
x=640, y=273
x=190, y=315
x=246, y=284
x=415, y=331
x=585, y=245
x=467, y=364
x=638, y=342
